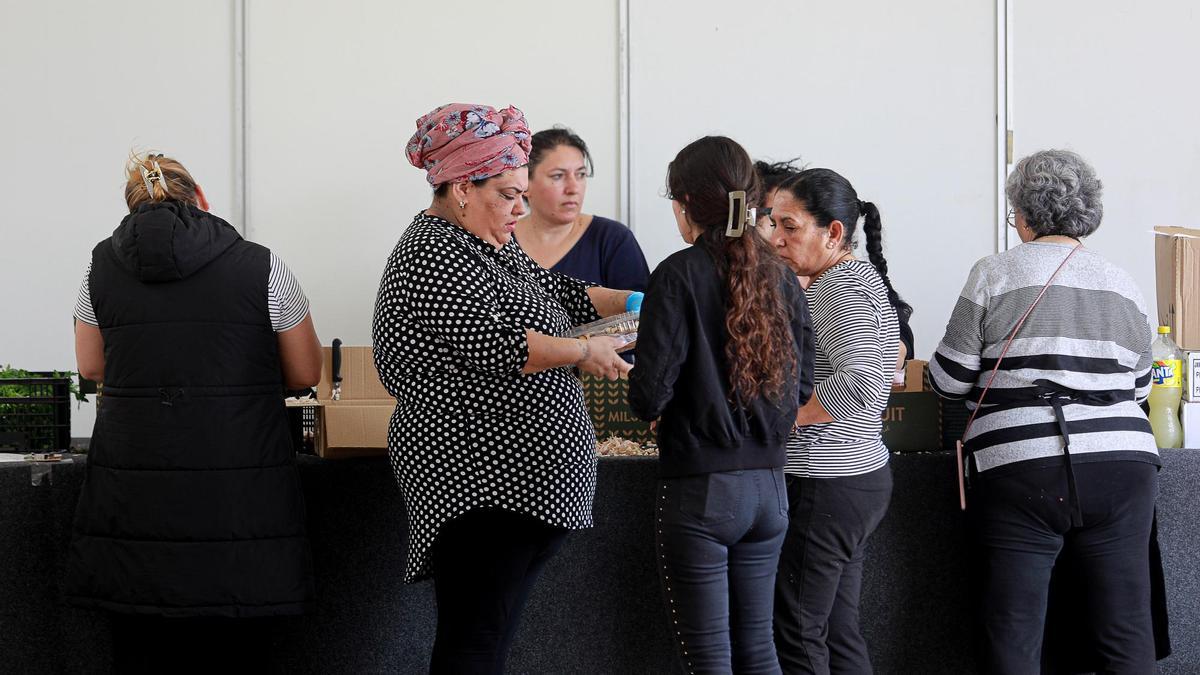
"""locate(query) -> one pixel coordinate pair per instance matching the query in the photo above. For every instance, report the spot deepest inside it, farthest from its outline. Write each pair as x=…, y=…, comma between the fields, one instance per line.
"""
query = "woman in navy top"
x=558, y=235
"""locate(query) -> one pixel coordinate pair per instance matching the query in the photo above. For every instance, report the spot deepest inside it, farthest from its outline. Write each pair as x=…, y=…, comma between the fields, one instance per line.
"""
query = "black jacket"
x=191, y=503
x=681, y=376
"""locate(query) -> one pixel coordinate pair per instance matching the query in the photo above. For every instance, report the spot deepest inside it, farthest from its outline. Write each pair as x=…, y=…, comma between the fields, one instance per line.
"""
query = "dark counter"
x=597, y=608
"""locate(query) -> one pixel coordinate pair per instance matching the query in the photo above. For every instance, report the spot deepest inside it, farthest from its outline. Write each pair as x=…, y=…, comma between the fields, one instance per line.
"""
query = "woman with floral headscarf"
x=490, y=442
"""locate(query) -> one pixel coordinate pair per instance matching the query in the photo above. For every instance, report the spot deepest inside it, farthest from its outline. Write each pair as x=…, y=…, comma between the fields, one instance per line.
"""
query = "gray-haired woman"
x=1060, y=455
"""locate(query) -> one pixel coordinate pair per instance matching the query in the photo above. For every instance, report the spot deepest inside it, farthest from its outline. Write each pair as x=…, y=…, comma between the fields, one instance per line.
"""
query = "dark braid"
x=873, y=229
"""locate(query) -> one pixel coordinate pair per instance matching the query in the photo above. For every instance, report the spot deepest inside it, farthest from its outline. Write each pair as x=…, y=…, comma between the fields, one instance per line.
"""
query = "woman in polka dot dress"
x=490, y=442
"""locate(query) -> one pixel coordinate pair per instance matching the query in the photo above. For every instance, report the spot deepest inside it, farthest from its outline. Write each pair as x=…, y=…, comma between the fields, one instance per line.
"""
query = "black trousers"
x=1021, y=523
x=155, y=644
x=819, y=583
x=485, y=562
x=718, y=540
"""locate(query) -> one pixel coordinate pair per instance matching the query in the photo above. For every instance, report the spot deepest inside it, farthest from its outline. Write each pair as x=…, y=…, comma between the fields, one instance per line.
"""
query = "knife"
x=337, y=369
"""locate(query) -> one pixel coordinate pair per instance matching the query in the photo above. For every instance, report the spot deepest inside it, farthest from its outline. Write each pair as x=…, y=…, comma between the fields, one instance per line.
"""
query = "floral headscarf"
x=464, y=141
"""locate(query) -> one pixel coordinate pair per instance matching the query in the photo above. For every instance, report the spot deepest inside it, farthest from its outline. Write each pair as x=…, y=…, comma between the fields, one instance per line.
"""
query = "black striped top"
x=858, y=341
x=1089, y=336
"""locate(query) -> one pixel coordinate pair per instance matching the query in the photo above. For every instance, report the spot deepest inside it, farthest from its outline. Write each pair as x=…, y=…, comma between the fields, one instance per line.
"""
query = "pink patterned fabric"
x=464, y=141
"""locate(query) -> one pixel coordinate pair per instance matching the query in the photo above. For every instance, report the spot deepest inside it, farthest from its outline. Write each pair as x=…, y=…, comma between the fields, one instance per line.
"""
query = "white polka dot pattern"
x=469, y=429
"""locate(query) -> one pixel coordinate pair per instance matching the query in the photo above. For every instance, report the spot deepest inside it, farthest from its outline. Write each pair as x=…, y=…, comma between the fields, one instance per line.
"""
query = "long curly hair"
x=760, y=350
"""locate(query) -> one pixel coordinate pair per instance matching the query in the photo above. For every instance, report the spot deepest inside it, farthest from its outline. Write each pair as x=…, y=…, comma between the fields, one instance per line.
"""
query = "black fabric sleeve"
x=802, y=333
x=662, y=345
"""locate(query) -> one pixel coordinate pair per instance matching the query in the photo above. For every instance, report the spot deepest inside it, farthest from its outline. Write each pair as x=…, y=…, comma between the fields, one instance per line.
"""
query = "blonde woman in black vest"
x=191, y=517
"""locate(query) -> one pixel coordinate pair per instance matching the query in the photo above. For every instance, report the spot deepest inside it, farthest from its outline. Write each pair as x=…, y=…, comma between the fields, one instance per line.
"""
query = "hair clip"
x=739, y=215
x=150, y=176
x=146, y=180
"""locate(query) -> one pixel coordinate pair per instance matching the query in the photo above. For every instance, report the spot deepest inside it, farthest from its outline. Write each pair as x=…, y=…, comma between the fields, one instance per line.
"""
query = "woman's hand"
x=600, y=358
x=812, y=413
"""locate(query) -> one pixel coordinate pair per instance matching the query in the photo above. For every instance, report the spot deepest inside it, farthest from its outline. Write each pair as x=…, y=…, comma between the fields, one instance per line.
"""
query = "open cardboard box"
x=1177, y=282
x=357, y=425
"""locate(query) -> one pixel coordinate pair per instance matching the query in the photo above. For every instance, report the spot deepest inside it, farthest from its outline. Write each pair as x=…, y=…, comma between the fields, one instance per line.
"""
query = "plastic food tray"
x=621, y=326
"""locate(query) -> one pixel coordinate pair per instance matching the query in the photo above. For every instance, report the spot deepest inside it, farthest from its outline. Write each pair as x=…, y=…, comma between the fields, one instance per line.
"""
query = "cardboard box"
x=1177, y=283
x=608, y=404
x=912, y=419
x=357, y=425
x=1191, y=376
x=1189, y=415
x=916, y=376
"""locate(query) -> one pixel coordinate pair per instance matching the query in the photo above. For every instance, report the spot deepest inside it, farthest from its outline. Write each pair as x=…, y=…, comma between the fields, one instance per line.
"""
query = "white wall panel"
x=83, y=84
x=334, y=93
x=1116, y=82
x=897, y=97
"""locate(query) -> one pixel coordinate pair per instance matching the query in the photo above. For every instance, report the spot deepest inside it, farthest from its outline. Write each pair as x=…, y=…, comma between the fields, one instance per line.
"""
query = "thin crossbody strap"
x=962, y=489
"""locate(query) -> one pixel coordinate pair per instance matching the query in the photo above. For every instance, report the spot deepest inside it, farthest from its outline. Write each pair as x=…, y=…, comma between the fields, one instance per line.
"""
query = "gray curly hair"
x=1057, y=192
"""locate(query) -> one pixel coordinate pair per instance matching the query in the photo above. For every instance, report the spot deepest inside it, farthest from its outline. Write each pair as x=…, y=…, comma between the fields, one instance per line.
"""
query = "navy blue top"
x=606, y=254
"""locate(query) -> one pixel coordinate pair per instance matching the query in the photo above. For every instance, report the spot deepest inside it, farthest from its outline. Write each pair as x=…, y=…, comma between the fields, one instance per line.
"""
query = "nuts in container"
x=614, y=446
x=621, y=326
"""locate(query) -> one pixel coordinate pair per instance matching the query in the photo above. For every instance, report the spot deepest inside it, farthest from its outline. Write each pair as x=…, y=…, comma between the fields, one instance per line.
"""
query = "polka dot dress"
x=469, y=430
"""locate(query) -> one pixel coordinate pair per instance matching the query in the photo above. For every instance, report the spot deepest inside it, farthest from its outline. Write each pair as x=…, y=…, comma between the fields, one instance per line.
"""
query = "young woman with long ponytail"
x=724, y=362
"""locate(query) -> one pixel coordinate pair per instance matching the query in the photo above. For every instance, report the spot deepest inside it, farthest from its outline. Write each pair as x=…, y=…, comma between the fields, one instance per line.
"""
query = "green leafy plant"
x=37, y=412
x=7, y=372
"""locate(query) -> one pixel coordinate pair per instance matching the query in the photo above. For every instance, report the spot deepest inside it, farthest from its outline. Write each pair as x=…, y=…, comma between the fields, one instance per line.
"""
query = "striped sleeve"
x=855, y=355
x=956, y=362
x=83, y=302
x=286, y=301
x=1141, y=382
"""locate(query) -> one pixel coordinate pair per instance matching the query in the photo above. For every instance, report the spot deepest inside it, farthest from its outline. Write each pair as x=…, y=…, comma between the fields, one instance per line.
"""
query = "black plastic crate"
x=302, y=422
x=35, y=413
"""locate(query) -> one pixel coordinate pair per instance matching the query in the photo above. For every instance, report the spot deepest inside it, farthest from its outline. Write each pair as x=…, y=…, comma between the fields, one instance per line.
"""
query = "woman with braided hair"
x=838, y=477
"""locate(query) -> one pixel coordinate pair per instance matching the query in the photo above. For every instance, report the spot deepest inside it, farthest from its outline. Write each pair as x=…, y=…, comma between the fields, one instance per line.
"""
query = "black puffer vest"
x=191, y=504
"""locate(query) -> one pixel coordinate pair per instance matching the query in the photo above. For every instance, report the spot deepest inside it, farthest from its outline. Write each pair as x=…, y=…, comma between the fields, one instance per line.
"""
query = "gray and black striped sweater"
x=1089, y=335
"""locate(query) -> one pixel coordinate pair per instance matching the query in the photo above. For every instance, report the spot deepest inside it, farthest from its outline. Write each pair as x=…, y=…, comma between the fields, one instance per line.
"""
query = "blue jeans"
x=718, y=543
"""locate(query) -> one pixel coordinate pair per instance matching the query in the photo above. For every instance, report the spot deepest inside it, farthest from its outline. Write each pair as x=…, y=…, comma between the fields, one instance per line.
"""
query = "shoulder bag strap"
x=962, y=488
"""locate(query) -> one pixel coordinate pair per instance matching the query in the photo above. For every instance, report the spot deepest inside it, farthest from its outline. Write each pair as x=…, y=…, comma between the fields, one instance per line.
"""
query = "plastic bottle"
x=1166, y=389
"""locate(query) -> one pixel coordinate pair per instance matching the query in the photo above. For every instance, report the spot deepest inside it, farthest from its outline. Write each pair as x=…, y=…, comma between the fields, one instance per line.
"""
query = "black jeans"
x=484, y=564
x=820, y=572
x=156, y=644
x=1021, y=522
x=718, y=539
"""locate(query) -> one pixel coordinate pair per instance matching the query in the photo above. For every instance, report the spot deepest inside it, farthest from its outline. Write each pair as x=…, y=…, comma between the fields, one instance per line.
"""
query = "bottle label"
x=1166, y=373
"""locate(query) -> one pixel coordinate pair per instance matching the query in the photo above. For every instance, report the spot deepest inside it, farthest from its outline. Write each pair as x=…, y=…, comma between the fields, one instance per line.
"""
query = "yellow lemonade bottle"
x=1166, y=390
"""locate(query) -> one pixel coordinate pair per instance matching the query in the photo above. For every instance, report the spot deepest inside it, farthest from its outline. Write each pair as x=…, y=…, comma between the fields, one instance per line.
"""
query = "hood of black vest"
x=167, y=241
